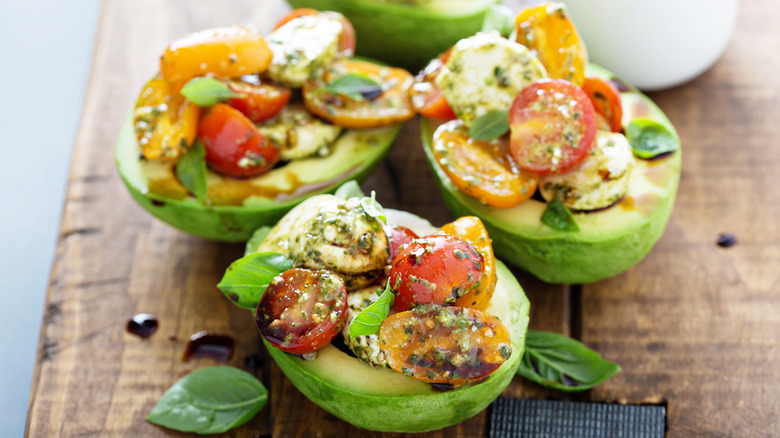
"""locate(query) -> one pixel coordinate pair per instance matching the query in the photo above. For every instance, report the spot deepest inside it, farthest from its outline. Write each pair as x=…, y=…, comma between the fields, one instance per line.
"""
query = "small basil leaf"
x=355, y=86
x=350, y=189
x=490, y=126
x=373, y=208
x=558, y=217
x=649, y=138
x=204, y=91
x=210, y=400
x=191, y=170
x=559, y=362
x=368, y=321
x=256, y=239
x=246, y=279
x=499, y=18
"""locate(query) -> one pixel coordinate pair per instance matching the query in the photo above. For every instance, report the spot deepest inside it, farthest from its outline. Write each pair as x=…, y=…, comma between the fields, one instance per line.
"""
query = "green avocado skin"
x=403, y=35
x=566, y=257
x=414, y=412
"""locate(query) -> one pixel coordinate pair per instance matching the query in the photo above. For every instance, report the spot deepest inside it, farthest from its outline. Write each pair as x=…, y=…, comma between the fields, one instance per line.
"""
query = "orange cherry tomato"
x=547, y=30
x=427, y=98
x=225, y=52
x=301, y=310
x=388, y=105
x=165, y=122
x=436, y=269
x=261, y=101
x=605, y=98
x=346, y=39
x=471, y=230
x=449, y=345
x=233, y=144
x=553, y=127
x=484, y=170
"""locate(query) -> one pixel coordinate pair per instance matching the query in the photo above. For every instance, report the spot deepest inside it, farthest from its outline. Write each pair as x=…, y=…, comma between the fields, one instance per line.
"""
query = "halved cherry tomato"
x=550, y=34
x=605, y=98
x=347, y=37
x=233, y=144
x=484, y=170
x=471, y=229
x=553, y=125
x=261, y=101
x=225, y=52
x=397, y=237
x=449, y=345
x=301, y=310
x=165, y=122
x=436, y=269
x=427, y=98
x=389, y=107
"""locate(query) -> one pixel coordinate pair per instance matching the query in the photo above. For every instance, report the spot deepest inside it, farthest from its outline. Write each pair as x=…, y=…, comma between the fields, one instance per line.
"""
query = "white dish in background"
x=655, y=44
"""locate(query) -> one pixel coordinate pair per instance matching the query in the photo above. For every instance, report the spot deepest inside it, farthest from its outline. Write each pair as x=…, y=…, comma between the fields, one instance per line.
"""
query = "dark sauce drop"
x=726, y=240
x=142, y=325
x=209, y=344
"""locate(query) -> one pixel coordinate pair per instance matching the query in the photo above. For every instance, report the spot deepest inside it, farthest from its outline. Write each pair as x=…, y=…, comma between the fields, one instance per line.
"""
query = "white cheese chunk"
x=298, y=134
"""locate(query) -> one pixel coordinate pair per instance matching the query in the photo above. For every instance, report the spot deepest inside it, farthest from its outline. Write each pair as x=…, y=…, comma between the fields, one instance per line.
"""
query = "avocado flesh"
x=406, y=35
x=385, y=400
x=237, y=207
x=609, y=241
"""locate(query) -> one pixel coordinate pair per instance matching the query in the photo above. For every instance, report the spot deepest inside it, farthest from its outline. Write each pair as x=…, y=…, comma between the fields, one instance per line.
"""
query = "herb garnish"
x=355, y=86
x=205, y=91
x=210, y=400
x=649, y=138
x=559, y=362
x=246, y=279
x=558, y=217
x=490, y=126
x=373, y=208
x=191, y=170
x=368, y=321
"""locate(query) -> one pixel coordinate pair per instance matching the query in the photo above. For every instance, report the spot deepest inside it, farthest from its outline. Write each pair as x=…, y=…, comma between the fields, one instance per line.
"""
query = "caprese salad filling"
x=254, y=102
x=521, y=117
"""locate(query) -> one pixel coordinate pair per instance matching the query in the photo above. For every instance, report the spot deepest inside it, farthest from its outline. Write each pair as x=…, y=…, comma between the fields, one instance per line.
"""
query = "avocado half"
x=406, y=33
x=610, y=240
x=385, y=400
x=245, y=205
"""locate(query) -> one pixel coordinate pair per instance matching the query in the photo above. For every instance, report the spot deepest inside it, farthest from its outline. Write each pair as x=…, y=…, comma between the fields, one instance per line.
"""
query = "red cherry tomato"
x=605, y=98
x=347, y=37
x=436, y=269
x=261, y=101
x=427, y=98
x=552, y=125
x=450, y=345
x=233, y=144
x=398, y=236
x=301, y=311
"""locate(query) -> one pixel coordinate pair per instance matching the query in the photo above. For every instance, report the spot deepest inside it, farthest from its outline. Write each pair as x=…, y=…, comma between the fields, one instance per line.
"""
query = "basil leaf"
x=350, y=189
x=355, y=86
x=558, y=217
x=373, y=208
x=256, y=239
x=499, y=18
x=210, y=400
x=204, y=91
x=559, y=362
x=246, y=279
x=368, y=321
x=490, y=126
x=191, y=170
x=649, y=138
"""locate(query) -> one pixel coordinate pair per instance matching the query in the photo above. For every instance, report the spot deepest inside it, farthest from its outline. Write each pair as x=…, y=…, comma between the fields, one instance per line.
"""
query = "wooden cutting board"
x=695, y=327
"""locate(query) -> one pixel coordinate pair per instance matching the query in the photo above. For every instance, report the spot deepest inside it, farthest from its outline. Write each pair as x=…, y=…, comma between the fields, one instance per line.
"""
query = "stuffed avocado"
x=573, y=172
x=407, y=33
x=482, y=319
x=237, y=127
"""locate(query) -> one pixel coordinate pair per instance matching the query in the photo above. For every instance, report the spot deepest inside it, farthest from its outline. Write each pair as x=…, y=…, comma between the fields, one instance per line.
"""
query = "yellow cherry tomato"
x=165, y=122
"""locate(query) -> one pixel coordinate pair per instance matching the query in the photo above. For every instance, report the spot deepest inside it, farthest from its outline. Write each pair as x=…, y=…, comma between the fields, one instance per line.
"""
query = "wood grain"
x=694, y=326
